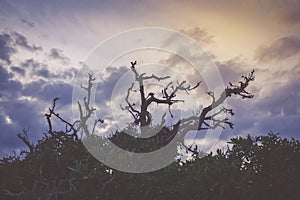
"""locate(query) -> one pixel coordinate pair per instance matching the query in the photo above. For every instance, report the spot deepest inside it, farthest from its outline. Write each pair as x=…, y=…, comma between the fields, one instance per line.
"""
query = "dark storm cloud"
x=43, y=90
x=46, y=73
x=279, y=50
x=292, y=17
x=4, y=75
x=42, y=70
x=20, y=40
x=23, y=114
x=252, y=118
x=285, y=97
x=8, y=88
x=58, y=54
x=9, y=43
x=52, y=85
x=287, y=11
x=199, y=34
x=43, y=73
x=30, y=63
x=23, y=105
x=18, y=70
x=106, y=86
x=231, y=69
x=6, y=48
x=287, y=126
x=277, y=111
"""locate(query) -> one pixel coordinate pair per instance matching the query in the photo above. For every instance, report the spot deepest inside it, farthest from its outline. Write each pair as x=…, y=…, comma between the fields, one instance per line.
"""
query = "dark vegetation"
x=264, y=167
x=59, y=166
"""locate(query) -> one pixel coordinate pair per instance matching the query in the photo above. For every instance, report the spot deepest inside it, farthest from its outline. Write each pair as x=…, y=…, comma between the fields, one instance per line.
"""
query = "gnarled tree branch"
x=143, y=116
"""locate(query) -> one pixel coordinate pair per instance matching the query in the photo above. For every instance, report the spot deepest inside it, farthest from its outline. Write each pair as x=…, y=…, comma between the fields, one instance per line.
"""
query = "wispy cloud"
x=199, y=34
x=280, y=49
x=28, y=23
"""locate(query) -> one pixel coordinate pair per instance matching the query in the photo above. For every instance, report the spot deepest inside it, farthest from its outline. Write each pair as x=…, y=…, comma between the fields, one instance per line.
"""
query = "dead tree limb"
x=70, y=129
x=86, y=110
x=85, y=113
x=142, y=116
x=24, y=137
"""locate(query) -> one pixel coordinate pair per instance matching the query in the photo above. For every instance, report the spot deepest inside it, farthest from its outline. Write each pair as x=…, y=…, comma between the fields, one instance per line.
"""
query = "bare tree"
x=70, y=130
x=86, y=110
x=204, y=120
x=142, y=116
x=80, y=125
x=210, y=117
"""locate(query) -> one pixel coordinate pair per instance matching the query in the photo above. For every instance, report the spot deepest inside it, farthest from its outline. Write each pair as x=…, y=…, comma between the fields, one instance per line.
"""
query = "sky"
x=44, y=44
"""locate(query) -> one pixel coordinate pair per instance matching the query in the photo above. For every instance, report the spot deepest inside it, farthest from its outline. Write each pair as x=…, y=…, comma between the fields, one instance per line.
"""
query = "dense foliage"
x=264, y=167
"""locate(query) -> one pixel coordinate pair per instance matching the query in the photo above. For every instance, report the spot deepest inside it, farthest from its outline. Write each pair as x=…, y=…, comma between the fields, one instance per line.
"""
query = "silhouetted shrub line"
x=262, y=167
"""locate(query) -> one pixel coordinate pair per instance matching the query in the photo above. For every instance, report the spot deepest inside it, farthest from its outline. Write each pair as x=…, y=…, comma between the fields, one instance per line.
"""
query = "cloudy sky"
x=43, y=44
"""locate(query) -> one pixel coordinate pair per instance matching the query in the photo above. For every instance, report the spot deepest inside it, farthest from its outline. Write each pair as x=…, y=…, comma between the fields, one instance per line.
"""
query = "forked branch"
x=85, y=113
x=142, y=116
x=205, y=120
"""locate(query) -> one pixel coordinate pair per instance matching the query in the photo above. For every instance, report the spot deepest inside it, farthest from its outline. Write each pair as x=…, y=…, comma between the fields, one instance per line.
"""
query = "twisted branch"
x=143, y=116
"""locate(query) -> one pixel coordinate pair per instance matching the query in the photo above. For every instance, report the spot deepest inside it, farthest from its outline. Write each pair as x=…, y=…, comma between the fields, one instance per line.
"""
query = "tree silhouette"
x=143, y=116
x=59, y=166
x=210, y=117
